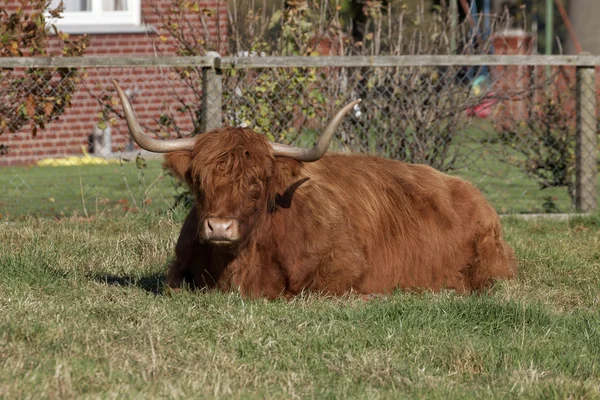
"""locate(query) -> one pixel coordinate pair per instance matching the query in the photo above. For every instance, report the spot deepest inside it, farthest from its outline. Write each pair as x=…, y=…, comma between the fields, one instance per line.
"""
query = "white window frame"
x=98, y=17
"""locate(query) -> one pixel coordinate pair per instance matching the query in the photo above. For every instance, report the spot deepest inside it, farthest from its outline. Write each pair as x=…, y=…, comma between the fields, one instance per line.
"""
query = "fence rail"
x=410, y=102
x=298, y=61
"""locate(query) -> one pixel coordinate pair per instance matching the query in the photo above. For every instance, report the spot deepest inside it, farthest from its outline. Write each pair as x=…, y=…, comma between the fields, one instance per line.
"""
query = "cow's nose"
x=221, y=230
x=215, y=225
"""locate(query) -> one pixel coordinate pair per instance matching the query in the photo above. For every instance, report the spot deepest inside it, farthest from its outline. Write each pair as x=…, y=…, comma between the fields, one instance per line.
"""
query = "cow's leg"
x=495, y=259
x=192, y=263
x=256, y=275
x=178, y=273
x=341, y=271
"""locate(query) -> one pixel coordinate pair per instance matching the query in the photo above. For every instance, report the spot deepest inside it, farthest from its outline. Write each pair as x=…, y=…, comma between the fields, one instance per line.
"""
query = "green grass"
x=84, y=315
x=115, y=189
x=88, y=189
x=508, y=188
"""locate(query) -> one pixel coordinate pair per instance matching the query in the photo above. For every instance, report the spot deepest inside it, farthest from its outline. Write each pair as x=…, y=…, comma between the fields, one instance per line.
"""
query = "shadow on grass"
x=154, y=283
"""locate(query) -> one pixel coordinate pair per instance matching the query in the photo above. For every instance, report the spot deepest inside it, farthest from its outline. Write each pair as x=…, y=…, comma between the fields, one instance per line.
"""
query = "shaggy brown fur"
x=345, y=222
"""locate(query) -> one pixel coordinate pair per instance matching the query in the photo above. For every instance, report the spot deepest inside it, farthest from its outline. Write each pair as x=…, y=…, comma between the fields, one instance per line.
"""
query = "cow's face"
x=229, y=172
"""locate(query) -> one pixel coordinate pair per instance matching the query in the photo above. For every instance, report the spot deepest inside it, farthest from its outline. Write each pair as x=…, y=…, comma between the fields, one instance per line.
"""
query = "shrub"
x=34, y=96
x=544, y=139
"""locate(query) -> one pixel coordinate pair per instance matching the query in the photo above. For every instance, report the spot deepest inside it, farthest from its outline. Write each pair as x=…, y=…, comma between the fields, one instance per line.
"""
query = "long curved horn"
x=319, y=150
x=146, y=142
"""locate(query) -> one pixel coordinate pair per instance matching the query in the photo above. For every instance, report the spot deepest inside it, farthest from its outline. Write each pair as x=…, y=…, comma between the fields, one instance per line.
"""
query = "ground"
x=115, y=188
x=84, y=314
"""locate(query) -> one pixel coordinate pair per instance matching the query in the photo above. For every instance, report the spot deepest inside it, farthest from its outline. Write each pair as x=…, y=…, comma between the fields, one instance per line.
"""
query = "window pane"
x=114, y=5
x=73, y=5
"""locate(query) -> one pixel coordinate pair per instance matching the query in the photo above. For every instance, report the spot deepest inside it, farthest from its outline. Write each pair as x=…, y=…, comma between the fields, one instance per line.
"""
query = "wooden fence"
x=212, y=65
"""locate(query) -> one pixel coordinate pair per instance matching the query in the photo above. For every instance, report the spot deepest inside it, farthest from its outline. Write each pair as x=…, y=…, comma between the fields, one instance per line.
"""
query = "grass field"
x=84, y=315
x=88, y=189
x=114, y=189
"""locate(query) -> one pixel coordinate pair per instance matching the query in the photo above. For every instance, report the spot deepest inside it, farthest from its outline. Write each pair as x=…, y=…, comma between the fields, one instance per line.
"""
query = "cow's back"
x=414, y=227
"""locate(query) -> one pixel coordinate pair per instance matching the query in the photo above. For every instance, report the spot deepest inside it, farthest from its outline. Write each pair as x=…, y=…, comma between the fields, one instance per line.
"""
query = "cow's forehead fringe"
x=230, y=155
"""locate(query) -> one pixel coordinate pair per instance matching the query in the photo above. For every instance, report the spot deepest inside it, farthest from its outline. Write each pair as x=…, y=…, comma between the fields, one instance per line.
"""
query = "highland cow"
x=274, y=220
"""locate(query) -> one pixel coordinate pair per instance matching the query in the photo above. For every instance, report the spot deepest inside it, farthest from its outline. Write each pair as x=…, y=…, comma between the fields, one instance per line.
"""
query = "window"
x=98, y=12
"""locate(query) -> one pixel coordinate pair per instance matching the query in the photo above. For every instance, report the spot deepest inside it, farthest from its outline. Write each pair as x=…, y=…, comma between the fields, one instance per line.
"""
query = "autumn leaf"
x=14, y=48
x=30, y=106
x=48, y=107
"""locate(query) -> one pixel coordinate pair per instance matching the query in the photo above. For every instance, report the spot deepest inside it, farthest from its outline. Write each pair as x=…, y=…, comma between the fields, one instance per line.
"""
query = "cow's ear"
x=179, y=163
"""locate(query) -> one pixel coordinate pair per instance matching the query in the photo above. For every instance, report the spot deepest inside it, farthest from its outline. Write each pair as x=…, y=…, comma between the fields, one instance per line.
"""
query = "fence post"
x=453, y=25
x=586, y=148
x=212, y=90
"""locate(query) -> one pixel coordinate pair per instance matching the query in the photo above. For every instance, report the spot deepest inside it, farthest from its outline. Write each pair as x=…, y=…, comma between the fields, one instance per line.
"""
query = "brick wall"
x=155, y=90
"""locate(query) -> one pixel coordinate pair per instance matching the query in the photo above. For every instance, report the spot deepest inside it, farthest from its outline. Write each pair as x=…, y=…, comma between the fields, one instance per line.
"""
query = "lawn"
x=117, y=188
x=87, y=189
x=84, y=315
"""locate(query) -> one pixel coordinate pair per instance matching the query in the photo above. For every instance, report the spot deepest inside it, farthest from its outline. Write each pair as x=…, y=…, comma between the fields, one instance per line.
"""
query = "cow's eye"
x=199, y=194
x=254, y=192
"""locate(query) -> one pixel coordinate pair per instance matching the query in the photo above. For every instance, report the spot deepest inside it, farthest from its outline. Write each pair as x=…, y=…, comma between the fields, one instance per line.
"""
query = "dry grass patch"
x=84, y=315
